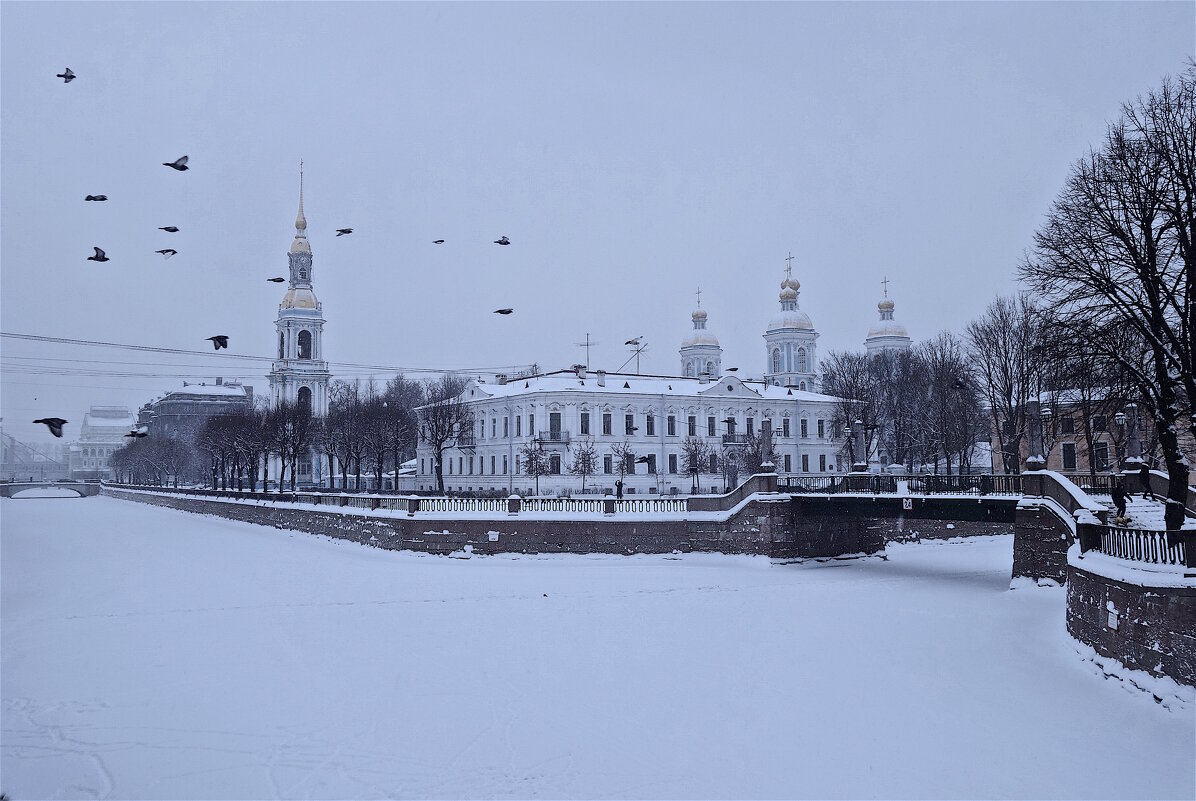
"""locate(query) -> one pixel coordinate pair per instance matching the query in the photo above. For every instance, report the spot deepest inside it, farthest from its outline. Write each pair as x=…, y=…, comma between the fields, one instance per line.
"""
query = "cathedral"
x=651, y=416
x=300, y=374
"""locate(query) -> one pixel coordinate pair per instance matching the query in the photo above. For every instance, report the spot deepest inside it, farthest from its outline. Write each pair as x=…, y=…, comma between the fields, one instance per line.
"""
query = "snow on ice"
x=149, y=653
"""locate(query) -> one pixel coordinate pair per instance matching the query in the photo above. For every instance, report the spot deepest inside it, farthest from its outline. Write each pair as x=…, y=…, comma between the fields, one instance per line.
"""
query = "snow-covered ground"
x=148, y=653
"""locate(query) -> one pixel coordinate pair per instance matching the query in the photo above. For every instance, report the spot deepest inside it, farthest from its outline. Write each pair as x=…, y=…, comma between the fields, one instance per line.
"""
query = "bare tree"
x=757, y=449
x=1115, y=255
x=585, y=460
x=695, y=456
x=444, y=418
x=623, y=456
x=1003, y=344
x=849, y=377
x=535, y=463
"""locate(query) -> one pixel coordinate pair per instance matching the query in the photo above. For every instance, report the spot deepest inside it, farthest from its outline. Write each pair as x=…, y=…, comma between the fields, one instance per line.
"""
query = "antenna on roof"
x=587, y=345
x=638, y=346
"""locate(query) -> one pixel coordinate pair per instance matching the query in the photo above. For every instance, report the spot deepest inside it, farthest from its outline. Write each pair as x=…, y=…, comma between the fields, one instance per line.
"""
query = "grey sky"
x=630, y=152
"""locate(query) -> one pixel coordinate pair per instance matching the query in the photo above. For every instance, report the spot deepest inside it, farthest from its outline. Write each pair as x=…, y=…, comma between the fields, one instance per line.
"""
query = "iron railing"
x=915, y=484
x=1140, y=545
x=558, y=437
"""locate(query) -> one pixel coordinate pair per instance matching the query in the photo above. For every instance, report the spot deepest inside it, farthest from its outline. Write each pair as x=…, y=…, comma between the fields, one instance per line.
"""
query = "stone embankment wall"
x=1041, y=543
x=1143, y=627
x=763, y=525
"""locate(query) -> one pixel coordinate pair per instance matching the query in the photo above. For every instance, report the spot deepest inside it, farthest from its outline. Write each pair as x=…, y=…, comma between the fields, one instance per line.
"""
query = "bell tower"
x=300, y=374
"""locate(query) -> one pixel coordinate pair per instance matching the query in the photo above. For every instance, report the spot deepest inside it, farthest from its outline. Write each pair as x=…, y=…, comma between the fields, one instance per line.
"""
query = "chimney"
x=501, y=378
x=219, y=380
x=601, y=374
x=703, y=378
x=581, y=372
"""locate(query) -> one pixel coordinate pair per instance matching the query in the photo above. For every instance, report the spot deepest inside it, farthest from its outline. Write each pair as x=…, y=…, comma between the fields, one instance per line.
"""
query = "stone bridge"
x=12, y=489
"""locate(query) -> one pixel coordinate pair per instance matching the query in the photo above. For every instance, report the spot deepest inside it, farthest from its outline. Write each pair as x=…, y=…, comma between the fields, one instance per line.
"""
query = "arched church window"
x=803, y=386
x=280, y=344
x=776, y=360
x=801, y=361
x=710, y=368
x=305, y=344
x=689, y=369
x=304, y=398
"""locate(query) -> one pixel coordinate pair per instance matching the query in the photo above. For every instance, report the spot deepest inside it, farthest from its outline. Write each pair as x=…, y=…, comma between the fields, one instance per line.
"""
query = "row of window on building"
x=629, y=426
x=465, y=464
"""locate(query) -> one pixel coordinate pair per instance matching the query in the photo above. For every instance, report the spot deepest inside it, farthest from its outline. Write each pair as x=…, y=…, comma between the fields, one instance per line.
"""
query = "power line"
x=351, y=366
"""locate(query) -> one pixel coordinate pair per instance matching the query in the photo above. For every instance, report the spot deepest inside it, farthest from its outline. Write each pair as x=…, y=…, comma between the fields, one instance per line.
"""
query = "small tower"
x=791, y=356
x=888, y=334
x=300, y=373
x=700, y=351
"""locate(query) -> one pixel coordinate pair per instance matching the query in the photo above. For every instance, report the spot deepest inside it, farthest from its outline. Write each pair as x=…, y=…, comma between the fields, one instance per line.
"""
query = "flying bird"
x=732, y=369
x=137, y=433
x=99, y=255
x=276, y=280
x=503, y=311
x=67, y=76
x=55, y=424
x=437, y=241
x=96, y=197
x=219, y=341
x=167, y=252
x=170, y=229
x=502, y=241
x=635, y=341
x=642, y=460
x=343, y=231
x=179, y=164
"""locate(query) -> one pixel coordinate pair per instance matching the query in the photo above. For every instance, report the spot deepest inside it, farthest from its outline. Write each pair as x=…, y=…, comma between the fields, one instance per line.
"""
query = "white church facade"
x=651, y=416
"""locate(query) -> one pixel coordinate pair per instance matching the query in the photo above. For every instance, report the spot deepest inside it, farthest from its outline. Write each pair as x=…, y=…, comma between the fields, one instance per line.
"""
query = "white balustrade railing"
x=652, y=505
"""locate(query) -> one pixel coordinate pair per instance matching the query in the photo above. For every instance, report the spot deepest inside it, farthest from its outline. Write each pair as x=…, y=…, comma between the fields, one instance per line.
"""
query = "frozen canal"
x=148, y=653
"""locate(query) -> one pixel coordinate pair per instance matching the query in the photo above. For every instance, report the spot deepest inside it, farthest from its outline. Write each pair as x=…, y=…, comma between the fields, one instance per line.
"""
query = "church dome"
x=299, y=298
x=887, y=328
x=700, y=337
x=788, y=293
x=700, y=314
x=790, y=283
x=300, y=245
x=885, y=305
x=791, y=318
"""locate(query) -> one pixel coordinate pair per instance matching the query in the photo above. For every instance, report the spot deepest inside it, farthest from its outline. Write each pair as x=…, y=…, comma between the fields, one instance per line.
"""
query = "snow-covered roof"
x=792, y=318
x=627, y=384
x=222, y=390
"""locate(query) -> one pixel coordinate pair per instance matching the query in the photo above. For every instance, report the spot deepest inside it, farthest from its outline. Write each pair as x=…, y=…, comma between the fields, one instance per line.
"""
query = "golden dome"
x=299, y=298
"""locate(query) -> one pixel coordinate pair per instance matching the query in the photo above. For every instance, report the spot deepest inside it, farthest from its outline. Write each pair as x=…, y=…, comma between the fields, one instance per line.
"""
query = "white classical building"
x=300, y=373
x=651, y=416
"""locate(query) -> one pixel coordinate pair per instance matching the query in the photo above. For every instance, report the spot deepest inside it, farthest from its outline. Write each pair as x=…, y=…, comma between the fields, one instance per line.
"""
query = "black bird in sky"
x=100, y=256
x=170, y=229
x=642, y=460
x=635, y=341
x=219, y=341
x=179, y=164
x=437, y=241
x=502, y=241
x=96, y=197
x=732, y=369
x=503, y=311
x=67, y=76
x=137, y=433
x=343, y=231
x=276, y=280
x=167, y=252
x=55, y=424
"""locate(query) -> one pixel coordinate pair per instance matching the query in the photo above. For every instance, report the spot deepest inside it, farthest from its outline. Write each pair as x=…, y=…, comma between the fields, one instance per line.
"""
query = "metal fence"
x=879, y=484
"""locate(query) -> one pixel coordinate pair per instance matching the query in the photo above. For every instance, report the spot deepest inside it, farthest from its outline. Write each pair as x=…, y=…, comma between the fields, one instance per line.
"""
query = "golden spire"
x=300, y=220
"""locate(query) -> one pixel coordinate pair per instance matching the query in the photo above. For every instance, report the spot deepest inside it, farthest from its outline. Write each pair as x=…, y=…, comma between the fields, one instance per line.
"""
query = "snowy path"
x=148, y=653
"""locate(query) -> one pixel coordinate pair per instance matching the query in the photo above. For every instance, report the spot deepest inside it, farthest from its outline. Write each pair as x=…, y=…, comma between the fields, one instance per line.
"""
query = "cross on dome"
x=789, y=265
x=699, y=297
x=886, y=283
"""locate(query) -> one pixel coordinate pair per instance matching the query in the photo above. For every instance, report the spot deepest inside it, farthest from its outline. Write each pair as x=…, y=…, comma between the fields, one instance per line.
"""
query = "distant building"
x=103, y=432
x=182, y=412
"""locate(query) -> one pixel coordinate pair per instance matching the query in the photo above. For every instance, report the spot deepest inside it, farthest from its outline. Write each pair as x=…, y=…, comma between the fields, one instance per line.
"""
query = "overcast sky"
x=631, y=152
